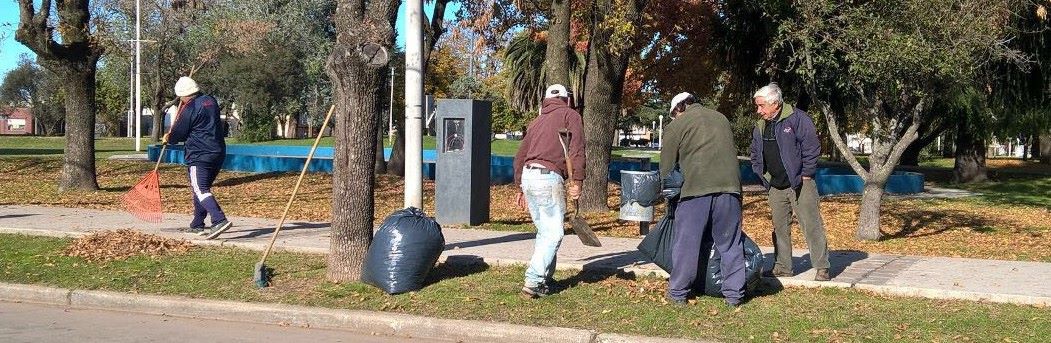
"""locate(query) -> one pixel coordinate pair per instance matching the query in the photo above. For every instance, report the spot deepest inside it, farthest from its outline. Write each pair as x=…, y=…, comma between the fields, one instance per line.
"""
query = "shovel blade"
x=584, y=232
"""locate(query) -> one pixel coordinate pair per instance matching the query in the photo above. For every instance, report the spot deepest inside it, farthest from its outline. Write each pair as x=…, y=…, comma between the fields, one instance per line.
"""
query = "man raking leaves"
x=199, y=125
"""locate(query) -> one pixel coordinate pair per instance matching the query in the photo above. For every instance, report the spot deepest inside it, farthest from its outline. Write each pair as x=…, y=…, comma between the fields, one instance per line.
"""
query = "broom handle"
x=164, y=145
x=160, y=157
x=298, y=182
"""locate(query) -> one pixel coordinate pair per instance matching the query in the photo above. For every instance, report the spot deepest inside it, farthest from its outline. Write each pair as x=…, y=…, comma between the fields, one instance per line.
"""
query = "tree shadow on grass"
x=456, y=266
x=604, y=267
x=240, y=180
x=922, y=222
x=31, y=151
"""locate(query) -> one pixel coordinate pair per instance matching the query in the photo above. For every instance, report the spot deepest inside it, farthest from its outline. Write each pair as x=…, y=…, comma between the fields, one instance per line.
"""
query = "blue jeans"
x=547, y=206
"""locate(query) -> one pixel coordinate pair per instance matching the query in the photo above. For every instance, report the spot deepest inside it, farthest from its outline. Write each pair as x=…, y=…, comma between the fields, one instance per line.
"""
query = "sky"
x=10, y=50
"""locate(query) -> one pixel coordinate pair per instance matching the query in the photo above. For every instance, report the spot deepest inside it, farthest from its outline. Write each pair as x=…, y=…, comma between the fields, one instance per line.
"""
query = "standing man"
x=540, y=168
x=198, y=124
x=700, y=142
x=785, y=149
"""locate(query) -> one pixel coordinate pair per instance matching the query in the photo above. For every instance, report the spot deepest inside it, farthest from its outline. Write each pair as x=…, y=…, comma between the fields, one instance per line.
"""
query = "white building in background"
x=859, y=143
x=1005, y=148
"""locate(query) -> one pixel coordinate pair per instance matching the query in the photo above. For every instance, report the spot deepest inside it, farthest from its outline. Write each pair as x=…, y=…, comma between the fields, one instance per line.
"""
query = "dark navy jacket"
x=199, y=125
x=797, y=141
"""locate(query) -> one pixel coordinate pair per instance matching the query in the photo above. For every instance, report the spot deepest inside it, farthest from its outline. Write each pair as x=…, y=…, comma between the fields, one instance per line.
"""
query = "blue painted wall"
x=268, y=159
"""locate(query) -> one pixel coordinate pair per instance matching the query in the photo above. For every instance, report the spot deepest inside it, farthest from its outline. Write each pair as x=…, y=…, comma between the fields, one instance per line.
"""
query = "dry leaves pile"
x=952, y=228
x=121, y=244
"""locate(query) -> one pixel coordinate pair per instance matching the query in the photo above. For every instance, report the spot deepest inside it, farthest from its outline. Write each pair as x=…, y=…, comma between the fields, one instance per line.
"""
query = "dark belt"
x=541, y=169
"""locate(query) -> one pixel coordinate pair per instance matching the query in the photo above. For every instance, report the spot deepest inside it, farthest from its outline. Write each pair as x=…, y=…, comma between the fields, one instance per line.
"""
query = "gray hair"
x=770, y=93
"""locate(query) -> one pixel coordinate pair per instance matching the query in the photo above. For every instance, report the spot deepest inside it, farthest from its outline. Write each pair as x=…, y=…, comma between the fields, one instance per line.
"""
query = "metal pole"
x=131, y=101
x=138, y=77
x=660, y=133
x=414, y=105
x=390, y=118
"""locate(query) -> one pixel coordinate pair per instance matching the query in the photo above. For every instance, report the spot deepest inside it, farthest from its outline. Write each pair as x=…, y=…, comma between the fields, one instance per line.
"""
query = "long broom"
x=580, y=227
x=261, y=276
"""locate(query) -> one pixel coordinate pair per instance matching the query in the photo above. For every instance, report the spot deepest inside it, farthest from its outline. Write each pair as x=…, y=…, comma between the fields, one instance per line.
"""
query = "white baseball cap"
x=677, y=99
x=185, y=86
x=556, y=90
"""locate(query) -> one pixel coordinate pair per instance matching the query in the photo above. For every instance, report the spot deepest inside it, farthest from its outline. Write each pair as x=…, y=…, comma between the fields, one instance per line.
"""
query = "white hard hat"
x=677, y=99
x=556, y=90
x=185, y=86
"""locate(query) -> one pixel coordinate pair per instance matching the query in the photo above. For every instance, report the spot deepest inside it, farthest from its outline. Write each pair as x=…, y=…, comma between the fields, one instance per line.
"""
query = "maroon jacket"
x=541, y=145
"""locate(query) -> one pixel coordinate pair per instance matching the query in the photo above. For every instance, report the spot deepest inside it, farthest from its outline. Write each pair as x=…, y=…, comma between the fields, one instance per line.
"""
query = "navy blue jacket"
x=797, y=141
x=199, y=125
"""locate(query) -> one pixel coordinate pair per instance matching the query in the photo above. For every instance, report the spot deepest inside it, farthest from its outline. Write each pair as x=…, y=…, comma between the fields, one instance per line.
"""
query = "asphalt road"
x=21, y=322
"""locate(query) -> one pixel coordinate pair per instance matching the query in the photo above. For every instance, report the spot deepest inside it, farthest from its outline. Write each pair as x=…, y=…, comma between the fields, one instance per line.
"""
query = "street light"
x=138, y=75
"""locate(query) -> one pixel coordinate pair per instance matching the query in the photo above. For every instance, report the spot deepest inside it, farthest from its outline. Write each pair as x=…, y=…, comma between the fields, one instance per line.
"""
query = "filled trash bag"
x=403, y=252
x=656, y=247
x=641, y=187
x=753, y=266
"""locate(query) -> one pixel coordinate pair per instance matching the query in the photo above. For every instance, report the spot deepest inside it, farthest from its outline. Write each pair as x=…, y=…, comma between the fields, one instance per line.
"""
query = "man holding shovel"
x=540, y=169
x=198, y=124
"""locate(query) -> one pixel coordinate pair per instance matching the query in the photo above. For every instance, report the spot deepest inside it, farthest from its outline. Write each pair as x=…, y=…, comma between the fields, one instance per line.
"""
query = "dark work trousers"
x=204, y=203
x=720, y=214
x=804, y=202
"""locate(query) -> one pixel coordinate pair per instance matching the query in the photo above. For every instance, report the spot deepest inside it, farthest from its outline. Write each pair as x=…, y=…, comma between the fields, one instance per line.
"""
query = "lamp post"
x=414, y=105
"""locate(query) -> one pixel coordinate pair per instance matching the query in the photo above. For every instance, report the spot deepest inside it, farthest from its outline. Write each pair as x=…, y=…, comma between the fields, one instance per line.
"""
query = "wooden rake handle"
x=299, y=181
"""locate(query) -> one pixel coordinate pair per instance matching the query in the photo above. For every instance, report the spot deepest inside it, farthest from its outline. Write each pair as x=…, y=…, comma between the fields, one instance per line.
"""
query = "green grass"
x=607, y=303
x=21, y=146
x=1020, y=191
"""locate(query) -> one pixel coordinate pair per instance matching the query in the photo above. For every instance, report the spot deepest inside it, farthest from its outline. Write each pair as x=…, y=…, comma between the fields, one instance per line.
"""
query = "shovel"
x=261, y=275
x=580, y=227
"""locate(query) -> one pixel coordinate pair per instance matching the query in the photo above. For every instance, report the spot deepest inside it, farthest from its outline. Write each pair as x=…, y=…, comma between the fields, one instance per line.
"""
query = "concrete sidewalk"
x=930, y=277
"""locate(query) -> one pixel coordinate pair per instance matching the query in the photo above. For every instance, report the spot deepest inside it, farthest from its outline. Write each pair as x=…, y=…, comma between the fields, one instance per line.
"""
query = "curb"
x=956, y=295
x=368, y=322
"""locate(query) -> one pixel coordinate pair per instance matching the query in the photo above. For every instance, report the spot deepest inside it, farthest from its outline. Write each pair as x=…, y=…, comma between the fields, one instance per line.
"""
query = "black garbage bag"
x=656, y=246
x=643, y=188
x=753, y=266
x=403, y=252
x=672, y=185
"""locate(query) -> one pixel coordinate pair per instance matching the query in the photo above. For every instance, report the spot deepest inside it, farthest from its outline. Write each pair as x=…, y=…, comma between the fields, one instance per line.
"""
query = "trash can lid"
x=636, y=172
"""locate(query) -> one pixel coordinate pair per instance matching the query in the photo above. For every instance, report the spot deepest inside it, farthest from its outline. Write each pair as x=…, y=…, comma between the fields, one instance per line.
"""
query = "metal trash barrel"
x=639, y=191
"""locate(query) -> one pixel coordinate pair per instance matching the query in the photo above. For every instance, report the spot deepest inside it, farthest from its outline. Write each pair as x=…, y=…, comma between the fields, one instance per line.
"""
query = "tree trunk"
x=970, y=156
x=1045, y=148
x=1026, y=144
x=355, y=84
x=396, y=164
x=928, y=135
x=75, y=60
x=78, y=169
x=380, y=164
x=868, y=217
x=158, y=104
x=556, y=63
x=602, y=98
